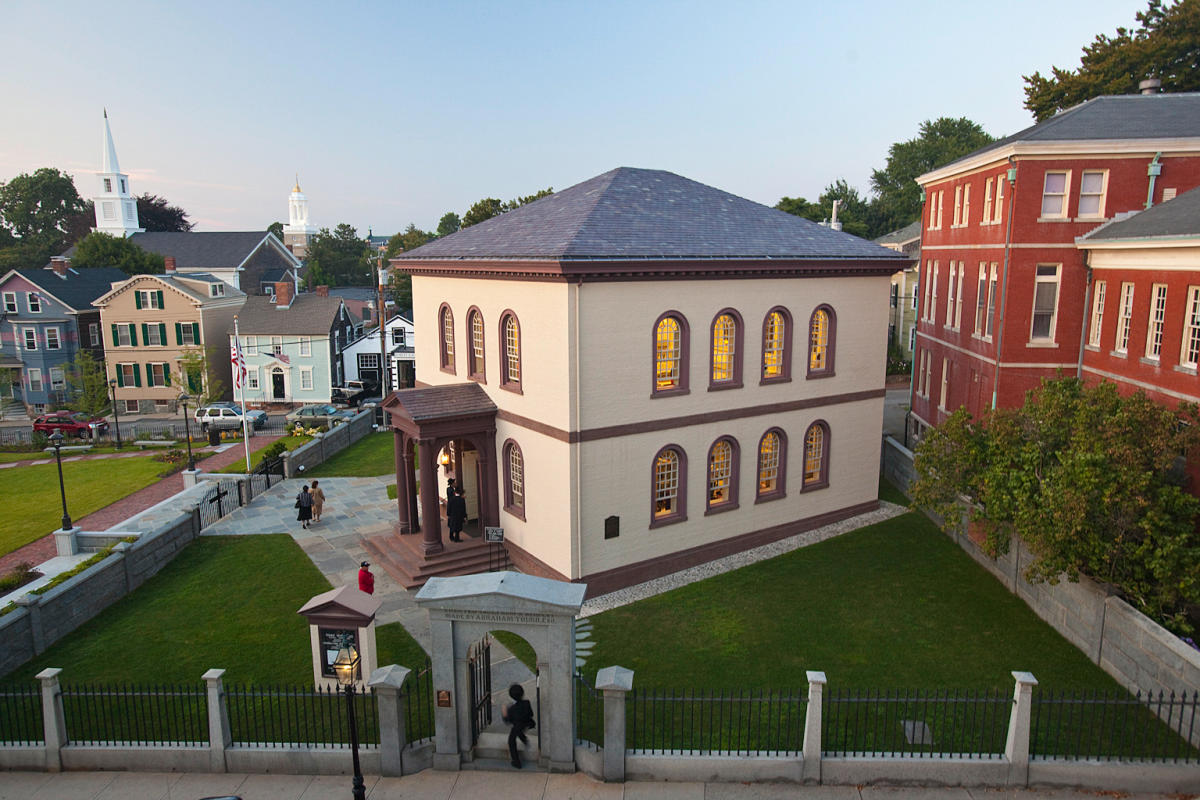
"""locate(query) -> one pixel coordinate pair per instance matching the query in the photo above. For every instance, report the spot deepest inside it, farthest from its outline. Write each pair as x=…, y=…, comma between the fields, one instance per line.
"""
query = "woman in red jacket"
x=366, y=581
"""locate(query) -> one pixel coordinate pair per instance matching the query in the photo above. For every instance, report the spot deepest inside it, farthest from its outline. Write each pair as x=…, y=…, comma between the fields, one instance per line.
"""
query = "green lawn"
x=891, y=494
x=225, y=601
x=256, y=456
x=370, y=456
x=34, y=508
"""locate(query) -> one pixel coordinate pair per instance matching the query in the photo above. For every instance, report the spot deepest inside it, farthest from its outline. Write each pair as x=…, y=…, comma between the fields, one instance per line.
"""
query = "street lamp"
x=112, y=384
x=56, y=439
x=187, y=427
x=346, y=666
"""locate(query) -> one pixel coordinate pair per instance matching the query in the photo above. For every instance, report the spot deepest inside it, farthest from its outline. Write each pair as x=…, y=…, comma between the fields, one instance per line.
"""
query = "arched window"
x=514, y=479
x=446, y=346
x=510, y=358
x=670, y=354
x=670, y=487
x=725, y=367
x=475, y=359
x=723, y=475
x=816, y=456
x=777, y=346
x=820, y=342
x=772, y=464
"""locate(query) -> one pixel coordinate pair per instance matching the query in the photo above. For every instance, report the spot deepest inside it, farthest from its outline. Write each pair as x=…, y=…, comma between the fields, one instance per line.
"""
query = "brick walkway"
x=43, y=549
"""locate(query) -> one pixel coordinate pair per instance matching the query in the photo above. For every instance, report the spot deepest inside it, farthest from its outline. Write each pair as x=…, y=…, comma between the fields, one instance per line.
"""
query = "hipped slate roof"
x=647, y=214
x=309, y=314
x=440, y=402
x=908, y=233
x=206, y=250
x=79, y=287
x=1178, y=217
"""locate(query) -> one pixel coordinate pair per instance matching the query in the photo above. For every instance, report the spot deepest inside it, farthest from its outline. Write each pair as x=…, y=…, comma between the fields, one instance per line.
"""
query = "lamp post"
x=112, y=384
x=187, y=427
x=346, y=667
x=56, y=439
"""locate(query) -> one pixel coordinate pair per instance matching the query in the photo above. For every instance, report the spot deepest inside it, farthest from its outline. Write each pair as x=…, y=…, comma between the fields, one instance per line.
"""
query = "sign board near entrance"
x=443, y=698
x=493, y=535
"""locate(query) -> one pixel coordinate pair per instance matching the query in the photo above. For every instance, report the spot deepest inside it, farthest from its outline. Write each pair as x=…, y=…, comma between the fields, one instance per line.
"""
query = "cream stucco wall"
x=547, y=531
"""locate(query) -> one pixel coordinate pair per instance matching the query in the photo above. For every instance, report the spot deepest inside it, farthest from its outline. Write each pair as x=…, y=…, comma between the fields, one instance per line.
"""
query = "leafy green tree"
x=399, y=281
x=448, y=224
x=1165, y=46
x=517, y=202
x=277, y=229
x=339, y=258
x=197, y=376
x=155, y=214
x=88, y=384
x=35, y=214
x=854, y=212
x=1092, y=482
x=897, y=197
x=103, y=250
x=483, y=209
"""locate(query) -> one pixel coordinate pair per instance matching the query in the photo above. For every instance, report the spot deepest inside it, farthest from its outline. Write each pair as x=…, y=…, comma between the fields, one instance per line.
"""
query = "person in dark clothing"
x=518, y=714
x=450, y=490
x=304, y=502
x=456, y=515
x=366, y=581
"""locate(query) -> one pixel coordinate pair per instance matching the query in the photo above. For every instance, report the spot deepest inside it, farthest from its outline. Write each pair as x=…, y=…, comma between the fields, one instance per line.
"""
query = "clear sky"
x=398, y=112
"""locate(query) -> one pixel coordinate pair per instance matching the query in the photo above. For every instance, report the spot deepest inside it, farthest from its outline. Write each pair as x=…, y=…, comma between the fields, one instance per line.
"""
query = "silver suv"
x=227, y=416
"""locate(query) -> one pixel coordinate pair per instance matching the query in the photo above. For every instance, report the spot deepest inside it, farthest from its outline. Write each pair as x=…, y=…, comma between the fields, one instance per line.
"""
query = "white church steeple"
x=116, y=210
x=298, y=230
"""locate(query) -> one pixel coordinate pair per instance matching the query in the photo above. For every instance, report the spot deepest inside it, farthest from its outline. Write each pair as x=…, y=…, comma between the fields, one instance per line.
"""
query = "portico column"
x=490, y=513
x=410, y=465
x=403, y=487
x=431, y=521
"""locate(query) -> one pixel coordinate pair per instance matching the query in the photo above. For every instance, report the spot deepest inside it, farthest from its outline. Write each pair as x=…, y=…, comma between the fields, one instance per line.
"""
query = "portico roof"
x=434, y=403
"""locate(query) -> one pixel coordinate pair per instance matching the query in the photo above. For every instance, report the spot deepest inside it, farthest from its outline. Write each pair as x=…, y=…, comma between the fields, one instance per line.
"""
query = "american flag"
x=239, y=363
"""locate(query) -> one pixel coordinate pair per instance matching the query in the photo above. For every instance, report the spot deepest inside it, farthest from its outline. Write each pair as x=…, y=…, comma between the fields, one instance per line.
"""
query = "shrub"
x=20, y=575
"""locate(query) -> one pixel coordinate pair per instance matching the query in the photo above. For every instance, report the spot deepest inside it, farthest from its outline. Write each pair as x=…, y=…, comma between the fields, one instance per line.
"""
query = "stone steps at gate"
x=494, y=747
x=401, y=558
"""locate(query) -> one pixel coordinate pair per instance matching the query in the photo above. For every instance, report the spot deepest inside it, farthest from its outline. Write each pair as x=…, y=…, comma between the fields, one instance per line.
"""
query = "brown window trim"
x=446, y=361
x=515, y=510
x=480, y=375
x=823, y=483
x=685, y=341
x=734, y=463
x=785, y=375
x=680, y=514
x=828, y=370
x=780, y=490
x=506, y=382
x=738, y=355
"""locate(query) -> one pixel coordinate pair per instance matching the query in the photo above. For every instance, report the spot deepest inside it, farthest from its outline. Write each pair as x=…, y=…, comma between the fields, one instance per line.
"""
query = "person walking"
x=366, y=581
x=318, y=498
x=304, y=502
x=518, y=714
x=456, y=515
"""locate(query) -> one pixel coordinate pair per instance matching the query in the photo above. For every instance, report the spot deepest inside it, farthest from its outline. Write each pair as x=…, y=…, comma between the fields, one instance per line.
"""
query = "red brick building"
x=1004, y=291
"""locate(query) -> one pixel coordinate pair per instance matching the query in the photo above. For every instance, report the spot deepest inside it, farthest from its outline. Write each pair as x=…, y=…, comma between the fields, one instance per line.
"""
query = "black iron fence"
x=21, y=715
x=146, y=716
x=1110, y=726
x=973, y=724
x=268, y=473
x=701, y=722
x=589, y=715
x=282, y=717
x=219, y=499
x=418, y=704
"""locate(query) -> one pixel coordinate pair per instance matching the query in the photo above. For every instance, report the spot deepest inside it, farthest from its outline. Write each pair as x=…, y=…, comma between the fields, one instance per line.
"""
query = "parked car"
x=227, y=416
x=324, y=414
x=71, y=423
x=353, y=393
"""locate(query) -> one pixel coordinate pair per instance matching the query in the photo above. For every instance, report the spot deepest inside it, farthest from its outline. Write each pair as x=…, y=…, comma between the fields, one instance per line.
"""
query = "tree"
x=490, y=207
x=399, y=281
x=339, y=258
x=1165, y=46
x=853, y=211
x=897, y=197
x=448, y=224
x=88, y=383
x=197, y=376
x=35, y=211
x=103, y=250
x=277, y=229
x=156, y=214
x=1090, y=481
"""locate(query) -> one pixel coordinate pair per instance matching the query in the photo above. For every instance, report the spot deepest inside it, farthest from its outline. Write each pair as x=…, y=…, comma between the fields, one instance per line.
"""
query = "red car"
x=70, y=423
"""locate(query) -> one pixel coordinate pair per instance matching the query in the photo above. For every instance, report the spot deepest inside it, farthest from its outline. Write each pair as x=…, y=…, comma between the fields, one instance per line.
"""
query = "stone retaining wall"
x=327, y=444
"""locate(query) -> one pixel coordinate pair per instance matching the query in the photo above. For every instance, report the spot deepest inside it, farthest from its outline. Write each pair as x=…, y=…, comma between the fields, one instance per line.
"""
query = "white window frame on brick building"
x=1061, y=199
x=1156, y=321
x=1094, y=330
x=1124, y=320
x=1045, y=303
x=998, y=206
x=1189, y=354
x=945, y=394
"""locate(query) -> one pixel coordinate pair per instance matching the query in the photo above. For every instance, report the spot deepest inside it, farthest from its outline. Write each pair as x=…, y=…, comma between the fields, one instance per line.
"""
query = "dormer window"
x=216, y=290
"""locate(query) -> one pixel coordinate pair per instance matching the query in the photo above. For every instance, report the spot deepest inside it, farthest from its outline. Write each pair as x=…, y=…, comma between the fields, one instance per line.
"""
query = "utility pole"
x=383, y=348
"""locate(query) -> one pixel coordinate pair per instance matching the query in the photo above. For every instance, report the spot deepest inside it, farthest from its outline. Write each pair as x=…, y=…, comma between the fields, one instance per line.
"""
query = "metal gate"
x=479, y=672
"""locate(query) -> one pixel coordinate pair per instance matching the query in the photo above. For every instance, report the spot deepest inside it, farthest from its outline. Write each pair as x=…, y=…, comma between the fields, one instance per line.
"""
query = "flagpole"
x=240, y=382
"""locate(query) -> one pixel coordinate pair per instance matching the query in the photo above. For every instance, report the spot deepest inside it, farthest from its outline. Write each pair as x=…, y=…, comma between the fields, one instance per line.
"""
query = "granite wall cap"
x=392, y=675
x=541, y=594
x=614, y=678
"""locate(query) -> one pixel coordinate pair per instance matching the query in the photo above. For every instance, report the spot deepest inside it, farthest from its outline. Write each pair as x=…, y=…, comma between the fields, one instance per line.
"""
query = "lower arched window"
x=722, y=475
x=772, y=463
x=816, y=456
x=514, y=479
x=670, y=486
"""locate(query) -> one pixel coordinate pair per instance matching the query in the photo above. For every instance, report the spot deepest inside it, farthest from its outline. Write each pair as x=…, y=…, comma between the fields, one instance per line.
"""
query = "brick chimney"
x=323, y=291
x=283, y=294
x=60, y=264
x=169, y=264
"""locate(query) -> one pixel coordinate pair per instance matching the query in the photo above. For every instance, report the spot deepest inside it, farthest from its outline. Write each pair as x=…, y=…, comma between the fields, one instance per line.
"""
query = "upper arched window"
x=777, y=346
x=510, y=357
x=816, y=456
x=670, y=354
x=820, y=342
x=514, y=479
x=725, y=367
x=722, y=475
x=670, y=487
x=772, y=463
x=446, y=345
x=475, y=358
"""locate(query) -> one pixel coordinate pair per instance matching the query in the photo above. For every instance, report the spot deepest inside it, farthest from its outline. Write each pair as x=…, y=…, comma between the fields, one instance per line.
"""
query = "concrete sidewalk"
x=429, y=784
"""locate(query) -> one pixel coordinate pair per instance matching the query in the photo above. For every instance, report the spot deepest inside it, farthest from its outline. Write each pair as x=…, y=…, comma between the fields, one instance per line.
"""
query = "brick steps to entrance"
x=401, y=557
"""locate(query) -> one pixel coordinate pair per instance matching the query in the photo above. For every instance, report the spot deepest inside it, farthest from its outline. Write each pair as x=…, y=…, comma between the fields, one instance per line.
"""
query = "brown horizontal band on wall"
x=650, y=426
x=617, y=270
